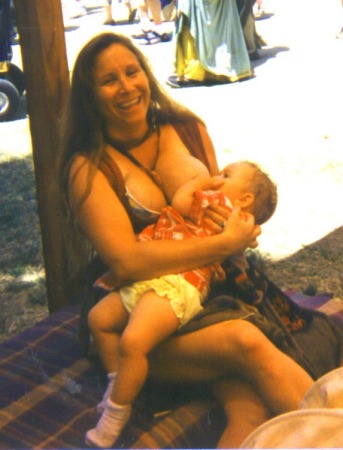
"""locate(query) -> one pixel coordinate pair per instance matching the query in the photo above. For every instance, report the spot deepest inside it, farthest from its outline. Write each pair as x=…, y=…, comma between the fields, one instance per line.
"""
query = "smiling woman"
x=116, y=99
x=123, y=93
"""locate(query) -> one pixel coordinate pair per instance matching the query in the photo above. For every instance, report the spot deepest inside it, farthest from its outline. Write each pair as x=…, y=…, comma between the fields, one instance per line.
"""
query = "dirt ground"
x=287, y=118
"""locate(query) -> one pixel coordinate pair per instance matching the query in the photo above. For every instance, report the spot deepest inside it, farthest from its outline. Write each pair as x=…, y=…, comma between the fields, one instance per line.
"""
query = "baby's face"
x=236, y=178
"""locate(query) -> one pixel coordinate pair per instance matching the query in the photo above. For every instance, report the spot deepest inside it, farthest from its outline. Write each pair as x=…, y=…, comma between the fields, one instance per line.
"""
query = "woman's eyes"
x=112, y=79
x=132, y=72
x=109, y=80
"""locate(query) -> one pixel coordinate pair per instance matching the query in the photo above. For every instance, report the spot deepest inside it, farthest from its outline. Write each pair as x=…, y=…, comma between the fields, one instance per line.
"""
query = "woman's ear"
x=245, y=200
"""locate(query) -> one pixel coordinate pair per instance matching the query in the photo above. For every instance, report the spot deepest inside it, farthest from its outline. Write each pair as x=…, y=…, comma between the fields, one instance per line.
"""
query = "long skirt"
x=210, y=43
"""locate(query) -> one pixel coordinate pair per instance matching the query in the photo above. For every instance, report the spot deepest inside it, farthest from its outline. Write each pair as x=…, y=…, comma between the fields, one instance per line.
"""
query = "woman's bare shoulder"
x=80, y=162
x=83, y=168
x=85, y=177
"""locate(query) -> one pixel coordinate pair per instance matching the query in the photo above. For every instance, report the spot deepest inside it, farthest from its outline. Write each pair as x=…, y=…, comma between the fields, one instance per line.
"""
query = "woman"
x=210, y=44
x=118, y=122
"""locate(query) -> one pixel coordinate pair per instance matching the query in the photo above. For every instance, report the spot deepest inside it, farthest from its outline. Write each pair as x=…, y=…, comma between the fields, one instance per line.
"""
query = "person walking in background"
x=258, y=10
x=253, y=40
x=210, y=44
x=152, y=31
x=109, y=14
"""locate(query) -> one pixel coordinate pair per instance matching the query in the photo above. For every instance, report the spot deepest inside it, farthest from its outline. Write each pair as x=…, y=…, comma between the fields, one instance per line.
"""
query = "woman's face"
x=122, y=87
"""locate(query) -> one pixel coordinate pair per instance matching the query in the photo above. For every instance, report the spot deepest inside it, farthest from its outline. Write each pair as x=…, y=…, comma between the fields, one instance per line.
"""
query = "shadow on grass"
x=19, y=227
x=22, y=294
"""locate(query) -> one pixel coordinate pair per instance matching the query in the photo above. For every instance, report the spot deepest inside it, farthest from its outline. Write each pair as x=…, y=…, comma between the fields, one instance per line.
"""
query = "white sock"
x=113, y=420
x=111, y=379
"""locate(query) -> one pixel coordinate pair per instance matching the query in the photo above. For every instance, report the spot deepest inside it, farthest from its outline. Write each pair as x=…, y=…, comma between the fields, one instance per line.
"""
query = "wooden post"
x=41, y=31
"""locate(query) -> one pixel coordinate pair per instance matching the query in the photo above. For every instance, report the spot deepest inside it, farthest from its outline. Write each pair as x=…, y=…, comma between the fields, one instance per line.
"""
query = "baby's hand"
x=242, y=226
x=216, y=216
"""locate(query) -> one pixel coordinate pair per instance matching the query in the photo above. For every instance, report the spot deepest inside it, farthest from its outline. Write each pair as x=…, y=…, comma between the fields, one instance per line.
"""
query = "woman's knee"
x=246, y=339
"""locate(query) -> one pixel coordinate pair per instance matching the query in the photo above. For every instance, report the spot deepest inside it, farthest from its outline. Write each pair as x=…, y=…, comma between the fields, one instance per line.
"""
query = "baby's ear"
x=245, y=200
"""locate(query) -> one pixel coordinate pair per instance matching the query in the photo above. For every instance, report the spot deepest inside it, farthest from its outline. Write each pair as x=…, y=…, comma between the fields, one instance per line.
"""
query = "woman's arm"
x=108, y=227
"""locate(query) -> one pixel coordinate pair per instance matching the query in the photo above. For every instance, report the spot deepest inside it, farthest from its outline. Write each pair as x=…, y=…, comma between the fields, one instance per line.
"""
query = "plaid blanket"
x=48, y=393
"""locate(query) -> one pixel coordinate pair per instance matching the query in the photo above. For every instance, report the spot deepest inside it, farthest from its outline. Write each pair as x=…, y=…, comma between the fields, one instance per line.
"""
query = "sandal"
x=143, y=35
x=174, y=82
x=152, y=37
x=164, y=37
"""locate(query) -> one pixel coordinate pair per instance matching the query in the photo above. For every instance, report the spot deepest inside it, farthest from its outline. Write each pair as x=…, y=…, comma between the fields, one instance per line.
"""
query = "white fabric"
x=308, y=428
x=317, y=424
x=327, y=392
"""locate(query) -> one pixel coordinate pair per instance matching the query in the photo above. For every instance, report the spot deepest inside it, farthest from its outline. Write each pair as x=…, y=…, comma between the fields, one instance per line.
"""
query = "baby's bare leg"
x=152, y=320
x=107, y=320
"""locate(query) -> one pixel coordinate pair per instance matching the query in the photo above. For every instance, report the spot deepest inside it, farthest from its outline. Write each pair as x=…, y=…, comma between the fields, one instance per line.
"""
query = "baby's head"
x=252, y=189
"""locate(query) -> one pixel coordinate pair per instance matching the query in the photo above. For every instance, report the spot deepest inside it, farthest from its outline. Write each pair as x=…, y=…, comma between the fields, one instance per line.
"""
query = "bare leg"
x=243, y=408
x=152, y=320
x=234, y=347
x=107, y=320
x=155, y=9
x=143, y=15
x=108, y=10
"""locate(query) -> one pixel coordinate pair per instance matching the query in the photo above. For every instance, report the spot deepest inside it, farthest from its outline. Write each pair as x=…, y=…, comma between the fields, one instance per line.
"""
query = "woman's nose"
x=125, y=84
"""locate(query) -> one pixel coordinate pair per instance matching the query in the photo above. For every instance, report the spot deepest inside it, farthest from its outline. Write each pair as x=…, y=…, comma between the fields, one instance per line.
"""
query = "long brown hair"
x=83, y=128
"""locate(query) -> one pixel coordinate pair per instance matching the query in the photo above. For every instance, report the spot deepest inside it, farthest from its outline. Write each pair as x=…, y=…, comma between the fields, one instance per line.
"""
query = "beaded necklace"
x=125, y=147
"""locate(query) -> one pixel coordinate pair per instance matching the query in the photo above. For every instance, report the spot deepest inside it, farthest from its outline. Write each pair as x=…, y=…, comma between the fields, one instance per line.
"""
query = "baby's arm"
x=180, y=185
x=184, y=196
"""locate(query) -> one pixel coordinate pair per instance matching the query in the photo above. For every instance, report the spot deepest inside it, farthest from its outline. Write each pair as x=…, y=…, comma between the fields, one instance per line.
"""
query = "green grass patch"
x=20, y=241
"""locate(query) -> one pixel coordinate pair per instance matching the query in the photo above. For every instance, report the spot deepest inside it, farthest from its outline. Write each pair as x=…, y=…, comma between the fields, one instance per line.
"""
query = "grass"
x=22, y=281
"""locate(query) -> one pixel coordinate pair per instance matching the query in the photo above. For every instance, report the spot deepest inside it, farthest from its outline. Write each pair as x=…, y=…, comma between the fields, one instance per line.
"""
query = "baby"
x=147, y=312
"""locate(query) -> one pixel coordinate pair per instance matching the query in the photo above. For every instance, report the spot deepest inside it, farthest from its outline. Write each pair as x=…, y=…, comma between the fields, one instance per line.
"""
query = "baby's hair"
x=265, y=191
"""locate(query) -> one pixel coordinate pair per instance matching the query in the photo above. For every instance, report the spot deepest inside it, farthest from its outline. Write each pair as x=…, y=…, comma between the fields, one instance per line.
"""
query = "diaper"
x=184, y=297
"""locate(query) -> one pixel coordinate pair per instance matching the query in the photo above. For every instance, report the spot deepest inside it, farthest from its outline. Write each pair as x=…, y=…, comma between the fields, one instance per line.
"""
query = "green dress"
x=210, y=43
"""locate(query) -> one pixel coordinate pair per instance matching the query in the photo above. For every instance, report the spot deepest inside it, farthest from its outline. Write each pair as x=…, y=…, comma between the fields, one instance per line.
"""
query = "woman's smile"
x=129, y=104
x=122, y=88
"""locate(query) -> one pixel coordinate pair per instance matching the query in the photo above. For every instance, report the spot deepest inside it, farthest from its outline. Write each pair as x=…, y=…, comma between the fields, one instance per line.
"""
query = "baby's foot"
x=113, y=420
x=102, y=405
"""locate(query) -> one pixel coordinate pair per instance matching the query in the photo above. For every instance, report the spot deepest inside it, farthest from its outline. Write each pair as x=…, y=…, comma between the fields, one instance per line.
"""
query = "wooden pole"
x=41, y=31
